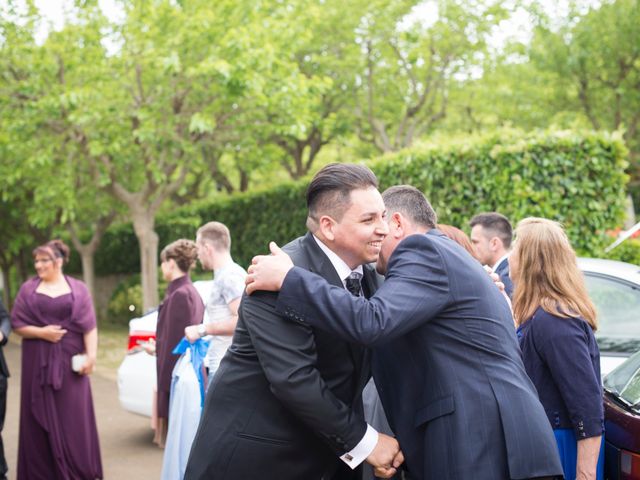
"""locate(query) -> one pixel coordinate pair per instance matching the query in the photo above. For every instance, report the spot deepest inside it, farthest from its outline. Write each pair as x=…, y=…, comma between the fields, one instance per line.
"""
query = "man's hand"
x=191, y=332
x=52, y=333
x=496, y=281
x=149, y=346
x=267, y=272
x=386, y=456
x=494, y=277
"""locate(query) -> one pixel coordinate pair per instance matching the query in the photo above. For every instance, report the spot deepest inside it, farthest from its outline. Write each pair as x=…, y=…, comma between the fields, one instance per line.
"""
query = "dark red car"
x=622, y=421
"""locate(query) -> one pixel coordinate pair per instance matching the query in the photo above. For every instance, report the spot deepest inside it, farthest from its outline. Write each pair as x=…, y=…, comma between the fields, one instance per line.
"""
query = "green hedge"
x=628, y=251
x=574, y=177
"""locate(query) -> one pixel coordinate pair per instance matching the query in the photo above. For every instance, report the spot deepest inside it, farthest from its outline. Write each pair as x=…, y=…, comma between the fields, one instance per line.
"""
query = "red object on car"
x=137, y=338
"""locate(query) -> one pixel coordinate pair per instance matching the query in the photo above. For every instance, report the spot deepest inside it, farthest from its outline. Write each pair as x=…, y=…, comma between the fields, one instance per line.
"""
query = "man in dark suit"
x=286, y=401
x=5, y=329
x=491, y=235
x=446, y=359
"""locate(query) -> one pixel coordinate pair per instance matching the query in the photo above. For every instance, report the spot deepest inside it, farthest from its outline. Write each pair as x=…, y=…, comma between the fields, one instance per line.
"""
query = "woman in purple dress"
x=54, y=315
x=182, y=306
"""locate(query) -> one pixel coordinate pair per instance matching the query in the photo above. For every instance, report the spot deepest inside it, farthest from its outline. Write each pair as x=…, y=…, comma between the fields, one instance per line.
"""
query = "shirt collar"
x=340, y=266
x=500, y=260
x=226, y=265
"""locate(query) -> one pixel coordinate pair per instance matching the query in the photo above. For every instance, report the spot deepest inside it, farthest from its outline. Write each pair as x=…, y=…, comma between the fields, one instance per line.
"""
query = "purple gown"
x=58, y=434
x=182, y=306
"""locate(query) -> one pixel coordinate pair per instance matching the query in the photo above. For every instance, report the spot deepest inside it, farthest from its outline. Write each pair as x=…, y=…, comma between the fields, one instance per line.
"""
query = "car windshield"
x=618, y=305
x=624, y=381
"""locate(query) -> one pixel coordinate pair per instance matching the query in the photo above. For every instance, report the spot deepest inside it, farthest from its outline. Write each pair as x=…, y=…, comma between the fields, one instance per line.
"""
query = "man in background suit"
x=5, y=328
x=491, y=235
x=446, y=360
x=286, y=401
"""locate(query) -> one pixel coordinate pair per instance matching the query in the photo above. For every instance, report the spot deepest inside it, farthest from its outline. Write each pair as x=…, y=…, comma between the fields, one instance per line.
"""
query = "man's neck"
x=498, y=259
x=222, y=260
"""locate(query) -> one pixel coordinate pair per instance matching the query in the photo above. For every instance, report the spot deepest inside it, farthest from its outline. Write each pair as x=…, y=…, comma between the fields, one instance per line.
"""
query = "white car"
x=137, y=372
x=614, y=288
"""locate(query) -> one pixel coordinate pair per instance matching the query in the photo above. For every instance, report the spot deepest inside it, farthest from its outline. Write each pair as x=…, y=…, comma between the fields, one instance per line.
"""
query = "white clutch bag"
x=78, y=361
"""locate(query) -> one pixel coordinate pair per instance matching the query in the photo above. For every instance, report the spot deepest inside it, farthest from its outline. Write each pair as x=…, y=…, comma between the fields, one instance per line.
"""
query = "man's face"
x=481, y=241
x=205, y=253
x=388, y=246
x=359, y=234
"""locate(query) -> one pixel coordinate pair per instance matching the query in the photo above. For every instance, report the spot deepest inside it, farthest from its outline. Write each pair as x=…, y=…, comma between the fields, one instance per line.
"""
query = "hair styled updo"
x=184, y=252
x=53, y=249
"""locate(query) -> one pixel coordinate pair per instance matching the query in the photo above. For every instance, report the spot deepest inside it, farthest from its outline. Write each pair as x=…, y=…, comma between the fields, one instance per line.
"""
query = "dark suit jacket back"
x=446, y=362
x=503, y=272
x=285, y=402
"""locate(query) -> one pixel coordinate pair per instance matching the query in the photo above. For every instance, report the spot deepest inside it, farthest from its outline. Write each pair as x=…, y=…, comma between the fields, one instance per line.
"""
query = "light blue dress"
x=185, y=407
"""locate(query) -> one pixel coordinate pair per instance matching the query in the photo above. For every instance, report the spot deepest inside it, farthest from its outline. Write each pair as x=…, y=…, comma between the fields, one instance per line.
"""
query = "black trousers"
x=3, y=410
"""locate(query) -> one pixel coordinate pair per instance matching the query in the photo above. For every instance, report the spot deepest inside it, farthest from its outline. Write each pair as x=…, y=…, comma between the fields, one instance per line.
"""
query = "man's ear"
x=397, y=225
x=495, y=243
x=326, y=225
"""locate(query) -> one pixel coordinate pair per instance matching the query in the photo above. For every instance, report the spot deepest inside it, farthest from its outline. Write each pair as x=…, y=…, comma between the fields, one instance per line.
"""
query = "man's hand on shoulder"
x=386, y=456
x=267, y=272
x=496, y=281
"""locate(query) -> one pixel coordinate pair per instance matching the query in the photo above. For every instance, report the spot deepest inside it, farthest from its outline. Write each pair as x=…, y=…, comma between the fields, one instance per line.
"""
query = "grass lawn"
x=112, y=347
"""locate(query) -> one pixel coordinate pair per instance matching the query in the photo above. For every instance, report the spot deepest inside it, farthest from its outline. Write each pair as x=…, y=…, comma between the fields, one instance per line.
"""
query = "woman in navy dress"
x=556, y=322
x=54, y=315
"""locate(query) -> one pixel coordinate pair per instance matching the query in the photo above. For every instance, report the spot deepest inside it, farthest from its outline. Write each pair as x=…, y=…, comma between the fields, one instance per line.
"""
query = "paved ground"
x=125, y=438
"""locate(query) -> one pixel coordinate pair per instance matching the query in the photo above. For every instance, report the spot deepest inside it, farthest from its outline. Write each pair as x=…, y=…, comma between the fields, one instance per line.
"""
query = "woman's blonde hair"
x=547, y=274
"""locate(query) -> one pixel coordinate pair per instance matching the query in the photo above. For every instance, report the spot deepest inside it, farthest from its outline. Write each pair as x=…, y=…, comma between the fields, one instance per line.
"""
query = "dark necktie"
x=352, y=283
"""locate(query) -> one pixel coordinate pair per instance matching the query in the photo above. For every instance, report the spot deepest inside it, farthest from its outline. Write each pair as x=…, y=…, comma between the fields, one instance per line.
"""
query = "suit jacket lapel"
x=320, y=264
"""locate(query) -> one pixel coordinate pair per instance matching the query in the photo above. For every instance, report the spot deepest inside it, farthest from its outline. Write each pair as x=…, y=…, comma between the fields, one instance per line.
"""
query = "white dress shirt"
x=368, y=442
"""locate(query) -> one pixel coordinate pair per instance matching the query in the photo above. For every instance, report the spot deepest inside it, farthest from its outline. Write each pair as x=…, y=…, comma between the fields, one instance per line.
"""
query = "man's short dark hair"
x=330, y=190
x=412, y=203
x=496, y=224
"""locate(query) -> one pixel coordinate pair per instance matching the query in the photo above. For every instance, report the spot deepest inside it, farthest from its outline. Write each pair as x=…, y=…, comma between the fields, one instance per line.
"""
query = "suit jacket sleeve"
x=415, y=290
x=5, y=324
x=287, y=354
x=562, y=344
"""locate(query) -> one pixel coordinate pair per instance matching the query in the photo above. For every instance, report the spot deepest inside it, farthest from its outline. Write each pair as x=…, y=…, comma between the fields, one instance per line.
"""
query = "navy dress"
x=562, y=359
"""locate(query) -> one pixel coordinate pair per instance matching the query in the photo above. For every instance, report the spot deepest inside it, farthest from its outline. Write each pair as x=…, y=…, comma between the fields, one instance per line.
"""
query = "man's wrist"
x=363, y=449
x=202, y=330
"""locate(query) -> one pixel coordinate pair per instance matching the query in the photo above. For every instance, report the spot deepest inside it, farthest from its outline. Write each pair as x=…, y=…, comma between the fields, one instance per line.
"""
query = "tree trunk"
x=6, y=290
x=88, y=271
x=19, y=264
x=143, y=225
x=87, y=251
